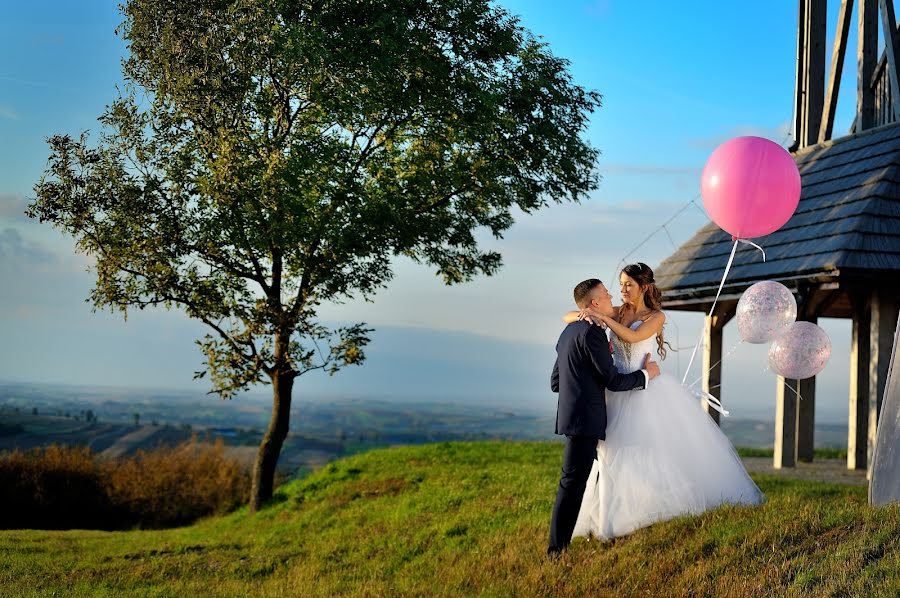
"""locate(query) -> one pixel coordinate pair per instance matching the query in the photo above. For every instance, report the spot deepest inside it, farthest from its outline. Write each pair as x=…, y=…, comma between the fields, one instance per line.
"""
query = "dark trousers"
x=578, y=458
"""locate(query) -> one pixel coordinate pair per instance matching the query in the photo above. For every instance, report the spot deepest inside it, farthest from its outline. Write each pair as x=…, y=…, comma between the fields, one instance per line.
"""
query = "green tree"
x=264, y=157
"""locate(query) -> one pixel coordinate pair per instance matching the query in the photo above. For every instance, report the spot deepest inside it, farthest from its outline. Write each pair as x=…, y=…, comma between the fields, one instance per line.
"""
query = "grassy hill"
x=463, y=519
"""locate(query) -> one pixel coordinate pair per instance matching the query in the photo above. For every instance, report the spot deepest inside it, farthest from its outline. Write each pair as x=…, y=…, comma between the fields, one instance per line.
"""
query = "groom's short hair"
x=583, y=291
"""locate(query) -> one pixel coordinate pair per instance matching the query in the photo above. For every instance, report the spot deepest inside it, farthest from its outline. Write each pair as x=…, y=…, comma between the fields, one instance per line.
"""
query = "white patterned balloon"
x=800, y=351
x=764, y=310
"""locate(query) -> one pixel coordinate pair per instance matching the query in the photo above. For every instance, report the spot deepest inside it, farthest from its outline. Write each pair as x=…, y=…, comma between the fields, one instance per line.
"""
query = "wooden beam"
x=882, y=63
x=837, y=66
x=892, y=50
x=858, y=422
x=810, y=88
x=815, y=301
x=884, y=308
x=712, y=358
x=867, y=51
x=799, y=88
x=806, y=420
x=810, y=299
x=815, y=96
x=806, y=414
x=785, y=425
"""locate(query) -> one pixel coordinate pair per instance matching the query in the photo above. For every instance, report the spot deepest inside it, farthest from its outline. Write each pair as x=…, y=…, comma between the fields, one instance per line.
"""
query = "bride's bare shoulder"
x=657, y=314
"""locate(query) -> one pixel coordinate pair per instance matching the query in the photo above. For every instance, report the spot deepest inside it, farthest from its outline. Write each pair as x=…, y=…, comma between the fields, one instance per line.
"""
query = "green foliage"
x=747, y=451
x=266, y=156
x=462, y=519
x=819, y=453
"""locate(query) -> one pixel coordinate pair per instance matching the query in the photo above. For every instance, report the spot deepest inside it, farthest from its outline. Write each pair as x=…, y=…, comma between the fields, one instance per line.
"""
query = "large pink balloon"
x=750, y=186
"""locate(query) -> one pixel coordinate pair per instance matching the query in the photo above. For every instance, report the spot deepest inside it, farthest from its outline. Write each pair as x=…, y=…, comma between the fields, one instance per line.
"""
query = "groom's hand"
x=651, y=366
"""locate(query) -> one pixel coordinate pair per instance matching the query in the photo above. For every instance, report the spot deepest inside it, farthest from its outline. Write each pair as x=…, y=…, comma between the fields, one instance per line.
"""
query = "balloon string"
x=711, y=310
x=746, y=242
x=711, y=401
x=730, y=351
x=796, y=390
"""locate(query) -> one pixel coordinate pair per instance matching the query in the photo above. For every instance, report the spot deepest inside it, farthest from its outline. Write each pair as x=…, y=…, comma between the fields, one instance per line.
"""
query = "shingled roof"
x=847, y=226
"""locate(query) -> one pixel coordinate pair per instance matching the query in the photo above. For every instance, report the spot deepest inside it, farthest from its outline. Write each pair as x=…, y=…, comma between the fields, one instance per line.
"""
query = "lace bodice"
x=629, y=357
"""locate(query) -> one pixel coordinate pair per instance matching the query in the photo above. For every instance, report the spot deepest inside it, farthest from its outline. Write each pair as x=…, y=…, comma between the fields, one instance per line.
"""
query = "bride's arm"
x=584, y=314
x=571, y=316
x=649, y=327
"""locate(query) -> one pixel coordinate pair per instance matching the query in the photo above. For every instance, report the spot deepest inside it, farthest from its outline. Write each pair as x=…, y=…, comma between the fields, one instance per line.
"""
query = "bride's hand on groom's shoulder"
x=591, y=316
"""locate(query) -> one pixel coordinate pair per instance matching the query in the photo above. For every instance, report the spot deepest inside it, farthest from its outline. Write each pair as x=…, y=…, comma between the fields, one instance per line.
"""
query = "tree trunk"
x=270, y=449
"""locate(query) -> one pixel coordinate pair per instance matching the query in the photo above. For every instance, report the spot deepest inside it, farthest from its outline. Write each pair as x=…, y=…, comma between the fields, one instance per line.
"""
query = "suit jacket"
x=583, y=370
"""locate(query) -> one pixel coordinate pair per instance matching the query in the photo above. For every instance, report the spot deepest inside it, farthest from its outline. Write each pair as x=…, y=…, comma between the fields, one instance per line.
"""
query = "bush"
x=53, y=488
x=70, y=487
x=175, y=486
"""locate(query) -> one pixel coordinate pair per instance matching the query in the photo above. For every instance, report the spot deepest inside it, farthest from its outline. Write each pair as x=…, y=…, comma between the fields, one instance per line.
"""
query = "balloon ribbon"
x=713, y=401
x=711, y=310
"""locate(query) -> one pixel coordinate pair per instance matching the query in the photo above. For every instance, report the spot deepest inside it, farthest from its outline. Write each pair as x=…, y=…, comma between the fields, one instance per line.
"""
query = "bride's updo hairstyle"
x=642, y=274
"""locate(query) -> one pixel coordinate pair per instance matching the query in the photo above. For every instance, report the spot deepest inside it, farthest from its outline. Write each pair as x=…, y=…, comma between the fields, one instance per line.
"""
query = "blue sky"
x=677, y=79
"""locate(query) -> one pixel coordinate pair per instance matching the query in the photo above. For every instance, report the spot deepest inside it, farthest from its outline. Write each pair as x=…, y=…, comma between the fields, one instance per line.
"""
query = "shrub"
x=53, y=488
x=175, y=486
x=70, y=487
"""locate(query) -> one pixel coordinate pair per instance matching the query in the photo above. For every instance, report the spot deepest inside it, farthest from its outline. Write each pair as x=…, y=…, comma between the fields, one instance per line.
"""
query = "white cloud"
x=8, y=113
x=21, y=253
x=780, y=134
x=12, y=208
x=649, y=169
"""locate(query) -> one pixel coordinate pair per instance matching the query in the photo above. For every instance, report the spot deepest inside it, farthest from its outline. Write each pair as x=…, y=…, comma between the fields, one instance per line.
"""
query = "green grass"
x=464, y=519
x=819, y=453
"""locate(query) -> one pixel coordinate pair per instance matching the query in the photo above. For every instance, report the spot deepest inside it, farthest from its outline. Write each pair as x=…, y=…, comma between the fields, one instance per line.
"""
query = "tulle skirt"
x=663, y=457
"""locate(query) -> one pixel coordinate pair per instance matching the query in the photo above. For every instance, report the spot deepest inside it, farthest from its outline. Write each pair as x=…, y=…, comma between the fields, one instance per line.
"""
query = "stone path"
x=822, y=470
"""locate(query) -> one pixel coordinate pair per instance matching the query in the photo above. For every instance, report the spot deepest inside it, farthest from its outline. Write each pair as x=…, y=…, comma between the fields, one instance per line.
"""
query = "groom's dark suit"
x=582, y=372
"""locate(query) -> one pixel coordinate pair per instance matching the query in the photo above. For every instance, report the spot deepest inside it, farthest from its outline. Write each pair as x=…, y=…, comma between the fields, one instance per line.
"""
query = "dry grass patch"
x=64, y=487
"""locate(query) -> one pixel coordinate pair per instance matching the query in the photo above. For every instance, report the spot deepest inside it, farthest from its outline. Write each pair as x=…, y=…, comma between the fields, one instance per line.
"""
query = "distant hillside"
x=425, y=364
x=321, y=430
x=462, y=519
x=26, y=431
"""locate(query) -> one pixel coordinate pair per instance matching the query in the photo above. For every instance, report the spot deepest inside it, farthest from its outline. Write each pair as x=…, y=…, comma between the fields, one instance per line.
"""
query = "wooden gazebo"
x=840, y=252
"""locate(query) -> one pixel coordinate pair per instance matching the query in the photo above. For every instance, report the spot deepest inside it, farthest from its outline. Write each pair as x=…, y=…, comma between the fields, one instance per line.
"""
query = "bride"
x=663, y=455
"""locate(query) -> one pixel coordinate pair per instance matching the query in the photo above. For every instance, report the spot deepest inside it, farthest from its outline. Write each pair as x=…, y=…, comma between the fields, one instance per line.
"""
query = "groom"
x=582, y=370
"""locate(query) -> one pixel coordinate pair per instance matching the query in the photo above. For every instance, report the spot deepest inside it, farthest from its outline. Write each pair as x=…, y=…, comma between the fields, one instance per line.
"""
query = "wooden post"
x=858, y=422
x=810, y=87
x=785, y=425
x=798, y=84
x=891, y=50
x=867, y=49
x=881, y=338
x=712, y=366
x=806, y=414
x=837, y=67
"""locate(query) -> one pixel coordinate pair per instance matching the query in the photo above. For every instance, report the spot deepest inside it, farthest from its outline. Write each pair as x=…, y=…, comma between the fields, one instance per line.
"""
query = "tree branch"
x=163, y=297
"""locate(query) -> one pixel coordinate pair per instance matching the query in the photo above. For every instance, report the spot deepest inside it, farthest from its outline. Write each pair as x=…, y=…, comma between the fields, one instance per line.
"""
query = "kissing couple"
x=639, y=447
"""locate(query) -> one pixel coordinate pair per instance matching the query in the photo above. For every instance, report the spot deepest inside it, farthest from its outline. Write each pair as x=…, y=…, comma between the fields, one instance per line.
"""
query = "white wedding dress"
x=663, y=456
